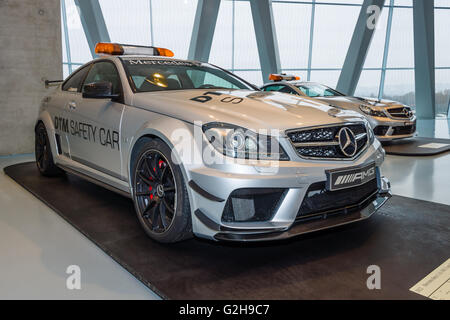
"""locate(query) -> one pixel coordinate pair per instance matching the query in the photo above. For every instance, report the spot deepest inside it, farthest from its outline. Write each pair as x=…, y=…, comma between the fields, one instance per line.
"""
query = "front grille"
x=400, y=112
x=318, y=200
x=398, y=131
x=323, y=142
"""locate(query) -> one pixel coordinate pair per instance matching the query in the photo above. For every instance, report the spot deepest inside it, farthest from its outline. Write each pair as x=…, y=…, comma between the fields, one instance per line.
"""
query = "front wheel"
x=160, y=196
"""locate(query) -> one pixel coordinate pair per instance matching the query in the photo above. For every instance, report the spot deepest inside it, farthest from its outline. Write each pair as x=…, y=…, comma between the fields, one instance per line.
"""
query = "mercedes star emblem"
x=160, y=190
x=347, y=142
x=407, y=112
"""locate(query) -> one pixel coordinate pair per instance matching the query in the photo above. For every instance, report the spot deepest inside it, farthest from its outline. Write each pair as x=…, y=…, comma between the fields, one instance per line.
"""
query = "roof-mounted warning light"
x=283, y=76
x=116, y=49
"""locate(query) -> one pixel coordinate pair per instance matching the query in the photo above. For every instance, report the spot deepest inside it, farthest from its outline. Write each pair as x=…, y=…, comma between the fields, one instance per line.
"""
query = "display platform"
x=407, y=239
x=417, y=146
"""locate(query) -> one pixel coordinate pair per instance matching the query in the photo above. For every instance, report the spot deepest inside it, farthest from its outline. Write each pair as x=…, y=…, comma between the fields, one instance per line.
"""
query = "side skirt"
x=95, y=181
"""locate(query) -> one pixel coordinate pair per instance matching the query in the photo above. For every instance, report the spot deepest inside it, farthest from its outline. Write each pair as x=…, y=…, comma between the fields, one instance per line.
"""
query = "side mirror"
x=99, y=90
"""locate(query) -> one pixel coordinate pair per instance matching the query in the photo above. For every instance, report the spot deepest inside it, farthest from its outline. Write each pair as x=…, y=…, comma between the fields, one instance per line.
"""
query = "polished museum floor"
x=37, y=245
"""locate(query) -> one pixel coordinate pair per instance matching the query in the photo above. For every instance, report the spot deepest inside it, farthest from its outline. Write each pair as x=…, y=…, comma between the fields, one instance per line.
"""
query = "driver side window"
x=273, y=88
x=73, y=83
x=280, y=88
x=104, y=72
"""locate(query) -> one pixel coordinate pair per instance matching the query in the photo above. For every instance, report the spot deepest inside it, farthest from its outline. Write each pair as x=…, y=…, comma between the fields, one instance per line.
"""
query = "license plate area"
x=351, y=177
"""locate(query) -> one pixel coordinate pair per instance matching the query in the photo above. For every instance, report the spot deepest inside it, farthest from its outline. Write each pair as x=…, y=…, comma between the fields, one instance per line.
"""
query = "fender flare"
x=46, y=119
x=147, y=130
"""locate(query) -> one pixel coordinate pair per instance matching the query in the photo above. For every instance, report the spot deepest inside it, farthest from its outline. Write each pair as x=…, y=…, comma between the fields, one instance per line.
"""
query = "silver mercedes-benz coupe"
x=389, y=120
x=202, y=152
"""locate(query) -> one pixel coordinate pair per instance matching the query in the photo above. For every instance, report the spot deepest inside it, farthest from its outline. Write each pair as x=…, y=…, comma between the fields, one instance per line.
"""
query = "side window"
x=73, y=84
x=279, y=88
x=273, y=88
x=200, y=78
x=104, y=72
x=286, y=89
x=304, y=90
x=173, y=82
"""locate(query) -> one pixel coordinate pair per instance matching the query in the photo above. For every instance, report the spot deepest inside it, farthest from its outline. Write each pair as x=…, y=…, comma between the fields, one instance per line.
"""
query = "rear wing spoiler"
x=52, y=83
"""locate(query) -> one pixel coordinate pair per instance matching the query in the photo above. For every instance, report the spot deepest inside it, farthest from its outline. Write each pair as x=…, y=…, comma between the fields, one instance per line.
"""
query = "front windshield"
x=318, y=90
x=149, y=74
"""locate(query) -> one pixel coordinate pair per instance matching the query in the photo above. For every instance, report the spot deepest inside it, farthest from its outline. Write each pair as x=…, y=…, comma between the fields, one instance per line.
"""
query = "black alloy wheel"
x=159, y=193
x=156, y=191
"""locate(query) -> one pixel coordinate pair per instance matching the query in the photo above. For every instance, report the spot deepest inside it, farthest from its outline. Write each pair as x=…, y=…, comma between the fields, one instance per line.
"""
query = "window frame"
x=121, y=94
x=283, y=86
x=80, y=86
x=338, y=94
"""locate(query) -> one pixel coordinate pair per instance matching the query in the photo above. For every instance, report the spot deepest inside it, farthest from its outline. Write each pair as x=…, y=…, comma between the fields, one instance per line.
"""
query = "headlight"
x=371, y=112
x=238, y=142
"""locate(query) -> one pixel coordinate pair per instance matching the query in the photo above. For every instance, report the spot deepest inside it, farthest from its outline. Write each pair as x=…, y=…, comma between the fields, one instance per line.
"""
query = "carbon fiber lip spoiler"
x=304, y=227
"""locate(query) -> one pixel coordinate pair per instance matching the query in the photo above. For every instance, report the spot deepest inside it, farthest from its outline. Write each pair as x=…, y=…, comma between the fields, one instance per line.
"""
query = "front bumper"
x=304, y=224
x=321, y=222
x=387, y=129
x=211, y=191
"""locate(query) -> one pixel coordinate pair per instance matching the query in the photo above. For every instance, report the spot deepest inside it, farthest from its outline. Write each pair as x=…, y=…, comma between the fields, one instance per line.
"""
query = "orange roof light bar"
x=108, y=48
x=282, y=76
x=117, y=49
x=165, y=52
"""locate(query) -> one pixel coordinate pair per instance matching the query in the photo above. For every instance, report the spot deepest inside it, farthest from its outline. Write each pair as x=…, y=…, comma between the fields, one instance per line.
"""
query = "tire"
x=159, y=194
x=43, y=153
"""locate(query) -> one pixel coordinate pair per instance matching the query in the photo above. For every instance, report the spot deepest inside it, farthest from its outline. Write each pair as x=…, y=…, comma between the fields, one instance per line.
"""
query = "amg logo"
x=350, y=178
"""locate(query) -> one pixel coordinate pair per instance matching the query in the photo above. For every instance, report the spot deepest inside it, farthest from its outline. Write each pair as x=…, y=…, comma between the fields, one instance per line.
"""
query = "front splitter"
x=304, y=227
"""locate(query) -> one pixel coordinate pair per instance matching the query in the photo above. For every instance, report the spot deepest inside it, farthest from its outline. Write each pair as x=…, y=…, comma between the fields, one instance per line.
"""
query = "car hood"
x=382, y=102
x=342, y=101
x=249, y=109
x=353, y=103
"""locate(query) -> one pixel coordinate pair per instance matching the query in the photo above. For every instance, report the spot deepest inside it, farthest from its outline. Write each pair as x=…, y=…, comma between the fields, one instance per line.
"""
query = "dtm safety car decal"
x=106, y=137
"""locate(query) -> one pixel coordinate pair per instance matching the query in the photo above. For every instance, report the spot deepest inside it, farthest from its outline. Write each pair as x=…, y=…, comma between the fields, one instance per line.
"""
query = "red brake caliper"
x=151, y=194
x=160, y=163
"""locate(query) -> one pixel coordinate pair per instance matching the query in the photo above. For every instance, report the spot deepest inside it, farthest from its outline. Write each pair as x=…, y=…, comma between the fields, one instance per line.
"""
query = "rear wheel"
x=43, y=152
x=160, y=195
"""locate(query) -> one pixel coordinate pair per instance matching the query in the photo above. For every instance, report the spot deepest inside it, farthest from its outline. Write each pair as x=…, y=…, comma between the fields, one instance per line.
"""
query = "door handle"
x=72, y=105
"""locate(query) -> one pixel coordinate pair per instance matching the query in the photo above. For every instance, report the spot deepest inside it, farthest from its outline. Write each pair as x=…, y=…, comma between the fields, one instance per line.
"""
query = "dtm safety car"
x=389, y=120
x=202, y=152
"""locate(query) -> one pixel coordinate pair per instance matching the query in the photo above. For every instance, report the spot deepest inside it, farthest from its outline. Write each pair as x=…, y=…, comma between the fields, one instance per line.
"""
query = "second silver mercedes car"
x=202, y=152
x=389, y=120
